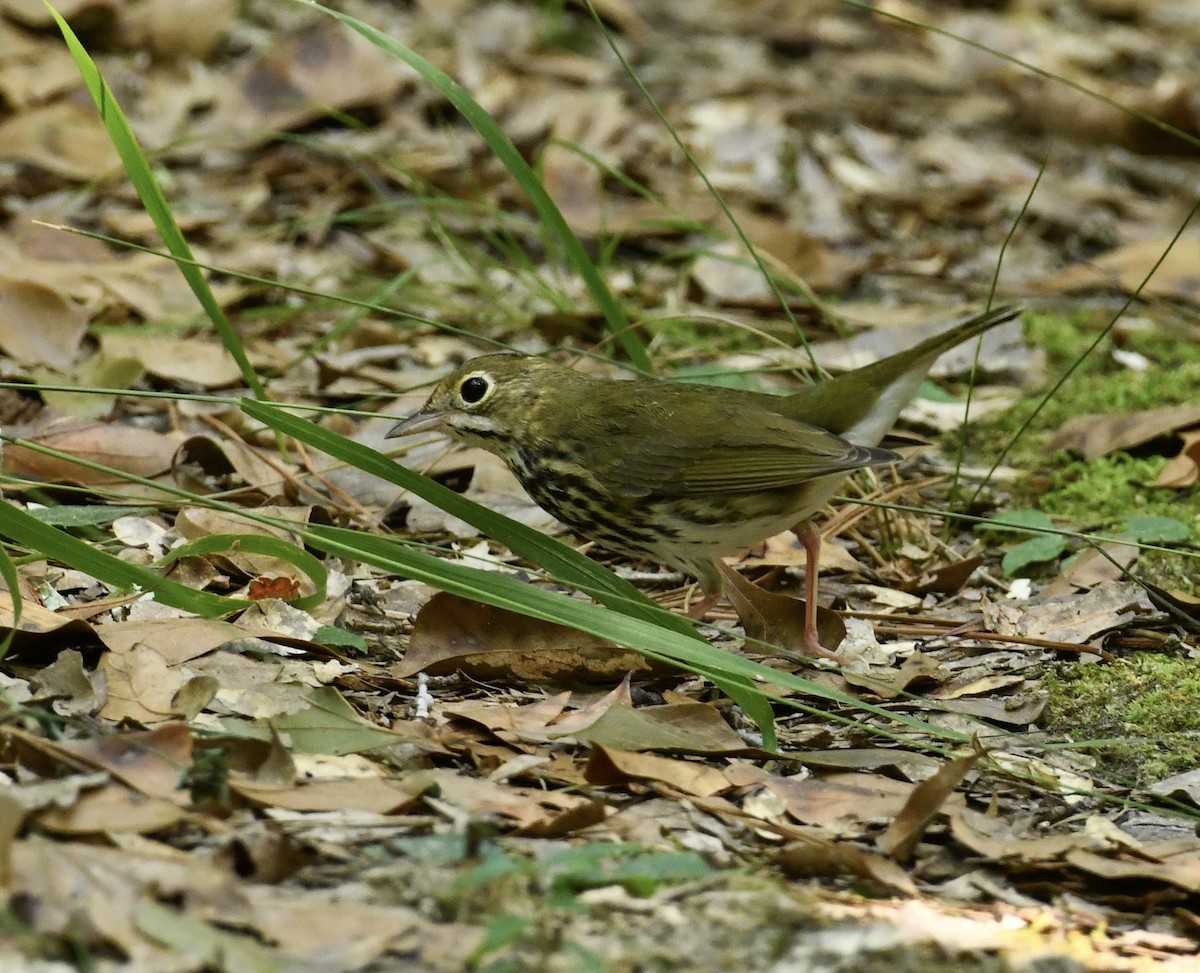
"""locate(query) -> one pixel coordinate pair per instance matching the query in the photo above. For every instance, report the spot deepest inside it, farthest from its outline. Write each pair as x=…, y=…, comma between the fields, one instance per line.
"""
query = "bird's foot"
x=700, y=607
x=774, y=620
x=812, y=647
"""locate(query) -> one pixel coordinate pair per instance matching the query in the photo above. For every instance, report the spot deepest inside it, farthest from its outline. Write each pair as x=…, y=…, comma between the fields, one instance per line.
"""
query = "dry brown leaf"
x=1125, y=267
x=38, y=325
x=696, y=728
x=1174, y=863
x=1072, y=618
x=453, y=633
x=372, y=795
x=141, y=686
x=34, y=16
x=944, y=579
x=35, y=69
x=98, y=371
x=195, y=522
x=777, y=619
x=144, y=283
x=976, y=686
x=151, y=762
x=819, y=856
x=218, y=458
x=888, y=683
x=533, y=811
x=72, y=689
x=844, y=805
x=112, y=809
x=192, y=361
x=530, y=721
x=998, y=839
x=577, y=720
x=1170, y=862
x=143, y=452
x=1094, y=566
x=1096, y=434
x=63, y=137
x=609, y=766
x=1183, y=469
x=176, y=640
x=301, y=78
x=178, y=29
x=785, y=551
x=926, y=800
x=1013, y=711
x=907, y=764
x=352, y=935
x=91, y=892
x=41, y=629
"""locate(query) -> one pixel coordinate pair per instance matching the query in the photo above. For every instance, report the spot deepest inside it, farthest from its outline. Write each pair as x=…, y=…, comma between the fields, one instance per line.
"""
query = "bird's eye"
x=473, y=389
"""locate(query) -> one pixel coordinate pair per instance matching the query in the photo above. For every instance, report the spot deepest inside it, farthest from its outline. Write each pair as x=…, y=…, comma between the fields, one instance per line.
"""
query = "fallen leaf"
x=141, y=686
x=609, y=766
x=771, y=619
x=819, y=856
x=926, y=800
x=130, y=449
x=39, y=326
x=194, y=361
x=114, y=809
x=1125, y=268
x=151, y=762
x=63, y=137
x=302, y=78
x=1097, y=434
x=453, y=633
x=372, y=795
x=1183, y=469
x=678, y=728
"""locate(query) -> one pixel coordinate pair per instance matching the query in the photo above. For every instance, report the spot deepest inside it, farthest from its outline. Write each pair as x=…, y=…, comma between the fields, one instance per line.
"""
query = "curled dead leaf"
x=453, y=633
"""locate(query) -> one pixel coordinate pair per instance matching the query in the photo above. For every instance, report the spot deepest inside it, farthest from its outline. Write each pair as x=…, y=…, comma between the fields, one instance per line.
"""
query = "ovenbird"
x=678, y=473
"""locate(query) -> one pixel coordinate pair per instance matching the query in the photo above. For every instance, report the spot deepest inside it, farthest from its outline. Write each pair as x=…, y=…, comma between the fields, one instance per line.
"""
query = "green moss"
x=1146, y=708
x=1100, y=494
x=1104, y=492
x=1099, y=384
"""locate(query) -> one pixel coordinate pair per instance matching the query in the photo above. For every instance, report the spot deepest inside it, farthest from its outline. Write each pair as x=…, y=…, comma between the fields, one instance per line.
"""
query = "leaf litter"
x=243, y=791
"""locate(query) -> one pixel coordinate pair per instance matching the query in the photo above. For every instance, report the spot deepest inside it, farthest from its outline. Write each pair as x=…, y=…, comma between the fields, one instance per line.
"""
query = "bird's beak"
x=418, y=422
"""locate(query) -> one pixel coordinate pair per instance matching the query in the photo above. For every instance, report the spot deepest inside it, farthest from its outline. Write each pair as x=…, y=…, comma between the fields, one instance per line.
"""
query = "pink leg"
x=698, y=609
x=769, y=617
x=810, y=537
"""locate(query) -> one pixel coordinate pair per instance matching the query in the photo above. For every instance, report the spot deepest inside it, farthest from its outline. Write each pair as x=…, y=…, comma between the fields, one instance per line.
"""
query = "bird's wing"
x=774, y=453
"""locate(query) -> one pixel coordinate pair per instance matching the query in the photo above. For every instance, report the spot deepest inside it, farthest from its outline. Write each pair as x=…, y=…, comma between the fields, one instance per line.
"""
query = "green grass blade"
x=60, y=546
x=151, y=195
x=8, y=571
x=508, y=154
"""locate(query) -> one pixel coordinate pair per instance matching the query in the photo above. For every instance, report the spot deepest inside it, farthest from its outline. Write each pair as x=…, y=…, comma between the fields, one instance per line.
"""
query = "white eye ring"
x=475, y=388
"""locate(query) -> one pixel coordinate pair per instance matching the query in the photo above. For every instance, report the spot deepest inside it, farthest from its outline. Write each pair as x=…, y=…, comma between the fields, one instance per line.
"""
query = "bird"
x=684, y=474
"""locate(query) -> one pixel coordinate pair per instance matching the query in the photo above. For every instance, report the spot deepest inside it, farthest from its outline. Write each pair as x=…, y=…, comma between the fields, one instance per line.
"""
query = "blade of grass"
x=58, y=545
x=508, y=154
x=8, y=571
x=153, y=199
